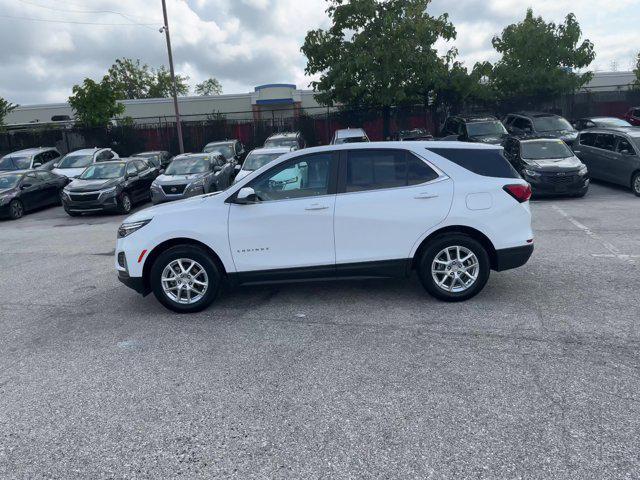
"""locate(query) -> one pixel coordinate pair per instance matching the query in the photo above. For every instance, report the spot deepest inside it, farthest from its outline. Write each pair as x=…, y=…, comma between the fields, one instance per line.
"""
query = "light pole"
x=173, y=77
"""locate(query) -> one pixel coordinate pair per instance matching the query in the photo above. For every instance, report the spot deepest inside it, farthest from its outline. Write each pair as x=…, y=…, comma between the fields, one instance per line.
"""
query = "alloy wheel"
x=455, y=269
x=126, y=203
x=16, y=209
x=636, y=185
x=184, y=281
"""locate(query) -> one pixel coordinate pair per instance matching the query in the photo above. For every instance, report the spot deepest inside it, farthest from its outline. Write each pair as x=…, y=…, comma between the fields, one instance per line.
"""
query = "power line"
x=66, y=10
x=47, y=20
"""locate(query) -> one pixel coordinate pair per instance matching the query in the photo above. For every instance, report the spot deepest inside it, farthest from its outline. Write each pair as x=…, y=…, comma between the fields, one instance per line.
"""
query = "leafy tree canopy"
x=95, y=104
x=210, y=86
x=133, y=80
x=540, y=58
x=5, y=108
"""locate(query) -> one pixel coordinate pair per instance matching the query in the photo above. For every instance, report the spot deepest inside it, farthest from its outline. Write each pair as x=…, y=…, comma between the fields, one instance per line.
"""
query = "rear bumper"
x=135, y=283
x=515, y=257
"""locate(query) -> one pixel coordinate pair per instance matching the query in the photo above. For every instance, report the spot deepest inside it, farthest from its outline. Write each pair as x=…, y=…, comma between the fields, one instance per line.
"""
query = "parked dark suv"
x=548, y=164
x=540, y=124
x=113, y=186
x=474, y=128
x=160, y=158
x=612, y=155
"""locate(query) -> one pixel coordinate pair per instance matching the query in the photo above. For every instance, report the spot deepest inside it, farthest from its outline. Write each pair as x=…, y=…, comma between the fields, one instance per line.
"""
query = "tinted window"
x=307, y=176
x=588, y=139
x=376, y=169
x=522, y=123
x=141, y=165
x=624, y=145
x=418, y=171
x=131, y=169
x=489, y=162
x=605, y=141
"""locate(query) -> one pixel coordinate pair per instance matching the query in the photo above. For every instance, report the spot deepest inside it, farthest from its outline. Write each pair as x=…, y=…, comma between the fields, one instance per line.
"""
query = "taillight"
x=521, y=193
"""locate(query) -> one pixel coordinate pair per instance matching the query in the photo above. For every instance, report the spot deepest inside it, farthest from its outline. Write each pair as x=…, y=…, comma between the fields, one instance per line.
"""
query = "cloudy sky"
x=48, y=47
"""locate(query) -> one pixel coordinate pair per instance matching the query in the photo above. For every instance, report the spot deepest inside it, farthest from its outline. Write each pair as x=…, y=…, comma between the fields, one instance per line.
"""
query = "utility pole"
x=173, y=77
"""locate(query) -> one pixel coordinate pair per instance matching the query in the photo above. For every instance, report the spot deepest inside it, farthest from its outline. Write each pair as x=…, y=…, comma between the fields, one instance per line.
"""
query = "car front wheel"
x=454, y=267
x=125, y=203
x=16, y=209
x=185, y=279
x=635, y=184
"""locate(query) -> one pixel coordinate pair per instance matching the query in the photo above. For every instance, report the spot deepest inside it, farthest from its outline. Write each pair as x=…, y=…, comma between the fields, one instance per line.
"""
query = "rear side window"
x=380, y=169
x=588, y=139
x=485, y=162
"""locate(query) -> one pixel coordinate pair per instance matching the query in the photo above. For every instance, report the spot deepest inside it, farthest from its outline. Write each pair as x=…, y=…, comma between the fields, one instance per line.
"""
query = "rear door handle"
x=316, y=206
x=425, y=196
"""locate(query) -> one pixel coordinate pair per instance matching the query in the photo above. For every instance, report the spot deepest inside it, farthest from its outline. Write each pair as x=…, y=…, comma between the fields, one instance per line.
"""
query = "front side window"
x=76, y=161
x=307, y=176
x=625, y=146
x=522, y=124
x=141, y=165
x=545, y=149
x=131, y=170
x=103, y=172
x=588, y=139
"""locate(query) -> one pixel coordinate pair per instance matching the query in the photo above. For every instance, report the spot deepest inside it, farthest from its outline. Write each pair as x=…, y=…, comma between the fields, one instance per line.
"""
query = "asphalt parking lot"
x=537, y=377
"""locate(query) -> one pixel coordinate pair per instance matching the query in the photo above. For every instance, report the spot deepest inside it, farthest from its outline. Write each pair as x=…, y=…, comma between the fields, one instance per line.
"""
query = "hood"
x=8, y=191
x=490, y=139
x=69, y=172
x=166, y=208
x=178, y=179
x=79, y=185
x=555, y=164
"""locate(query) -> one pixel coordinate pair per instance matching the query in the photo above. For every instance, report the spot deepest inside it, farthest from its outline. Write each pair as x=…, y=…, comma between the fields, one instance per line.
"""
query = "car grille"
x=556, y=179
x=91, y=197
x=173, y=189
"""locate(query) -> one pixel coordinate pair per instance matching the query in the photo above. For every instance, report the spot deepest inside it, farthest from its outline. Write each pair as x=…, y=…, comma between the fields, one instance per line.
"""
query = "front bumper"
x=508, y=258
x=135, y=283
x=558, y=183
x=107, y=204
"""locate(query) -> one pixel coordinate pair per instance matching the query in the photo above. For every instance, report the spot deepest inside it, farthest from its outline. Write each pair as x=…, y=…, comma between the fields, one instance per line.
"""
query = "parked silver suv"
x=192, y=174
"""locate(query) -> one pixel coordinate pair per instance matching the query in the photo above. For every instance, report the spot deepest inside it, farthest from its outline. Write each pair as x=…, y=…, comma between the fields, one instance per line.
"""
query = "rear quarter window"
x=485, y=162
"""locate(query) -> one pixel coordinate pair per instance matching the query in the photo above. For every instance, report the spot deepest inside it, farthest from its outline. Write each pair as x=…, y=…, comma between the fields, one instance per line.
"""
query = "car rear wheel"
x=635, y=184
x=16, y=209
x=125, y=203
x=454, y=267
x=185, y=279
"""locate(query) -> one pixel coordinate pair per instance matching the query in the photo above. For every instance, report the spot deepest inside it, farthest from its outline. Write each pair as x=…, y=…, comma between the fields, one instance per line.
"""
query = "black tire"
x=124, y=203
x=16, y=209
x=436, y=246
x=196, y=254
x=635, y=184
x=70, y=213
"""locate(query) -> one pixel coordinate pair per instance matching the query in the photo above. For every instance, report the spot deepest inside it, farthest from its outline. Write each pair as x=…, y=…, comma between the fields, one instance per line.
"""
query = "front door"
x=291, y=223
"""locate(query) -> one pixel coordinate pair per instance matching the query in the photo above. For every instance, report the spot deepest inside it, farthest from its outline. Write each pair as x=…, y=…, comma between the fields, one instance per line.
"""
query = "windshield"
x=611, y=122
x=480, y=129
x=14, y=162
x=551, y=124
x=545, y=149
x=76, y=161
x=351, y=140
x=225, y=150
x=188, y=166
x=256, y=160
x=9, y=181
x=281, y=142
x=103, y=171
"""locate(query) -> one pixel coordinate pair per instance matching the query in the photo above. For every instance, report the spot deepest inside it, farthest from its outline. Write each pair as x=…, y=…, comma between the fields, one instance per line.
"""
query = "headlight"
x=155, y=186
x=4, y=199
x=108, y=191
x=583, y=170
x=531, y=173
x=127, y=229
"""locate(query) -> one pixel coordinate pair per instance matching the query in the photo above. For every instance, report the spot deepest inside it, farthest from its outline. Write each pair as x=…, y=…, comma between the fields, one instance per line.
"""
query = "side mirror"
x=626, y=152
x=55, y=165
x=37, y=164
x=237, y=168
x=246, y=195
x=24, y=186
x=303, y=165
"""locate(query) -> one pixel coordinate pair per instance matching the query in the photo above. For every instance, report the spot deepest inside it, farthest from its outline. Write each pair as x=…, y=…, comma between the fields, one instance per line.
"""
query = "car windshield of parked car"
x=611, y=122
x=9, y=181
x=545, y=150
x=15, y=162
x=225, y=150
x=351, y=140
x=482, y=129
x=152, y=157
x=256, y=160
x=76, y=161
x=281, y=142
x=552, y=124
x=103, y=171
x=188, y=166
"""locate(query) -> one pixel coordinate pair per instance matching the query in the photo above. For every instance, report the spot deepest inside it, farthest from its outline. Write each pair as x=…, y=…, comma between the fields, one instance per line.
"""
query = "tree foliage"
x=95, y=103
x=132, y=80
x=377, y=53
x=210, y=86
x=637, y=73
x=5, y=108
x=540, y=58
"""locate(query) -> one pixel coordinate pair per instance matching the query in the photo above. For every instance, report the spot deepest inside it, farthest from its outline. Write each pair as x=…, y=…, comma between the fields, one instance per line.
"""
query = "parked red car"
x=633, y=116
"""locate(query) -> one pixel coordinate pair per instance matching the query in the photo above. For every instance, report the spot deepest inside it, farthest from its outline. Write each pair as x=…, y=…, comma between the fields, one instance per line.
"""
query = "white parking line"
x=615, y=253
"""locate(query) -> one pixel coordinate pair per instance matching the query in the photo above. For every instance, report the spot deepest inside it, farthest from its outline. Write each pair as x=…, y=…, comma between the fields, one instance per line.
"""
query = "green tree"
x=132, y=80
x=637, y=72
x=541, y=59
x=456, y=86
x=5, y=108
x=377, y=53
x=210, y=86
x=95, y=104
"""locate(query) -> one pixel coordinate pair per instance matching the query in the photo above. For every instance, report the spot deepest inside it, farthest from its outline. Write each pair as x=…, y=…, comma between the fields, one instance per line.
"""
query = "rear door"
x=387, y=199
x=626, y=162
x=604, y=157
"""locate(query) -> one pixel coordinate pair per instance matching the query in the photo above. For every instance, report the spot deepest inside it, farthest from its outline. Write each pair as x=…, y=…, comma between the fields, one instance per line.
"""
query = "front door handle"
x=316, y=206
x=425, y=196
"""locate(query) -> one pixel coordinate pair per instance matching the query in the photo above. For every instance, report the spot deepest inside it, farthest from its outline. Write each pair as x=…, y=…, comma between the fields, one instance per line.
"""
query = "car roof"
x=197, y=155
x=220, y=142
x=631, y=131
x=535, y=114
x=272, y=150
x=284, y=134
x=150, y=152
x=472, y=117
x=600, y=118
x=32, y=151
x=86, y=151
x=350, y=132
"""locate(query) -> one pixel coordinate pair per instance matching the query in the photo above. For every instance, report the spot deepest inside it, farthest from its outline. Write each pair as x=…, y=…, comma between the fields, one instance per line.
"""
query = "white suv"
x=450, y=212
